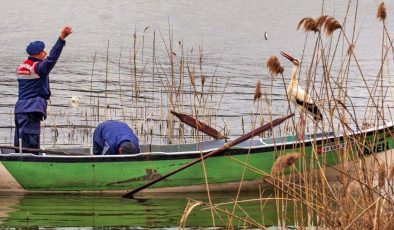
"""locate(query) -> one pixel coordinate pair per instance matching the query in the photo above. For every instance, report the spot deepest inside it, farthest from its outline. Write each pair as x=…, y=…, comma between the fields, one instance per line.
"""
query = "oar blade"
x=200, y=126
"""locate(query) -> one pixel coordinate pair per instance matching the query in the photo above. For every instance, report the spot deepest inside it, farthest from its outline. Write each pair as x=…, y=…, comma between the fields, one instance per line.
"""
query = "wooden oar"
x=30, y=150
x=215, y=152
x=198, y=125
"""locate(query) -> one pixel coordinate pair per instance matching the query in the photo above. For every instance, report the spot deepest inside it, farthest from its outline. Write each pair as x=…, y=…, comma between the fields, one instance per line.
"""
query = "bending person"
x=114, y=137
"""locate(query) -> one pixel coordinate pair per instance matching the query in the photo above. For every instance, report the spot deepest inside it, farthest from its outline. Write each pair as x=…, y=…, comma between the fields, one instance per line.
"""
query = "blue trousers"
x=27, y=127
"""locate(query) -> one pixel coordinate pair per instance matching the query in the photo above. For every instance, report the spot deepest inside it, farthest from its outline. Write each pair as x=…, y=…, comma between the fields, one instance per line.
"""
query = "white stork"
x=297, y=95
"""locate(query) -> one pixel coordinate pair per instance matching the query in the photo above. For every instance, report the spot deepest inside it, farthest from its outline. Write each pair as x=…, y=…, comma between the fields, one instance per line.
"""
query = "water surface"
x=65, y=210
x=230, y=35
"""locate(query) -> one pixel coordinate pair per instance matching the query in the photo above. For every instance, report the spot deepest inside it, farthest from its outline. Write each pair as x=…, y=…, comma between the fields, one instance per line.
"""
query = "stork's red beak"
x=288, y=56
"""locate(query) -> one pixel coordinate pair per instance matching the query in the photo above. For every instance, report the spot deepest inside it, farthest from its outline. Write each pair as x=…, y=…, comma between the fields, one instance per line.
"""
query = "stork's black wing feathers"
x=312, y=108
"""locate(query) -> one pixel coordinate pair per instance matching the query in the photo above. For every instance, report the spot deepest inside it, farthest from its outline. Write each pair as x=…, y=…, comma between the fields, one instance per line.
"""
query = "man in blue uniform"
x=34, y=90
x=114, y=137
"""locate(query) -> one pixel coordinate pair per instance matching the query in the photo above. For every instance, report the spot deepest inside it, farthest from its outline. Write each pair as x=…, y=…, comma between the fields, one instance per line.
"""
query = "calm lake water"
x=230, y=35
x=82, y=211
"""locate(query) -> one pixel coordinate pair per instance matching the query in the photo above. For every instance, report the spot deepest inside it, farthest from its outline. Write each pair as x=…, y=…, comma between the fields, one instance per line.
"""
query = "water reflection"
x=71, y=210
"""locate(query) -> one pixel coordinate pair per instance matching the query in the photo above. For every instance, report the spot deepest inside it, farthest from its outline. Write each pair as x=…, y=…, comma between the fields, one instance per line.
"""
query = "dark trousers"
x=27, y=127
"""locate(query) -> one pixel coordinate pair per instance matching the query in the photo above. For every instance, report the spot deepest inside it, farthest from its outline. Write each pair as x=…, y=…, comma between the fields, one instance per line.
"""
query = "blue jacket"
x=33, y=79
x=111, y=134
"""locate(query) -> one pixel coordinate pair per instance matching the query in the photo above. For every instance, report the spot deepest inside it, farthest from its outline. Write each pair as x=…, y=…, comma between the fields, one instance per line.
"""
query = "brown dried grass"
x=389, y=225
x=284, y=162
x=328, y=23
x=391, y=172
x=381, y=13
x=257, y=92
x=274, y=66
x=381, y=175
x=349, y=51
x=309, y=24
x=320, y=21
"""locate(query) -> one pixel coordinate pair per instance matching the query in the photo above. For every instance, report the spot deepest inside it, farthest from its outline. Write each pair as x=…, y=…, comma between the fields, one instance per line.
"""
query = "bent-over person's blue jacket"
x=108, y=136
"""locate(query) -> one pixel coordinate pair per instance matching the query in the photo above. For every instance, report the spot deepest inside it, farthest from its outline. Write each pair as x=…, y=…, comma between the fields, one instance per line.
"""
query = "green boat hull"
x=119, y=173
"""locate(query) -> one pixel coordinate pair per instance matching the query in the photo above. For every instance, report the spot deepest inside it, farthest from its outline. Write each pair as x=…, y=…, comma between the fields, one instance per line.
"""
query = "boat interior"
x=192, y=148
x=187, y=148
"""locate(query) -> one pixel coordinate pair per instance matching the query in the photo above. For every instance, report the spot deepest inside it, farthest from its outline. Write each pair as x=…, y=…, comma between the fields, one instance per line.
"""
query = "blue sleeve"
x=44, y=67
x=97, y=149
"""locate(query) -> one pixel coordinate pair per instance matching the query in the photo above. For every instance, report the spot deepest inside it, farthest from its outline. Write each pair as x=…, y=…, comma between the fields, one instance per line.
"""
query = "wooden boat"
x=120, y=173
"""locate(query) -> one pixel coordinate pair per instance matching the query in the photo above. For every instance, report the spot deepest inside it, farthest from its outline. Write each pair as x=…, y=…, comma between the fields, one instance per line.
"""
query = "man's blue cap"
x=35, y=47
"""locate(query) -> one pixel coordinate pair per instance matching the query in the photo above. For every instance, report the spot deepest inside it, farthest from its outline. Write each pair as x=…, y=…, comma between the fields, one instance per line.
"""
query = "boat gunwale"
x=152, y=156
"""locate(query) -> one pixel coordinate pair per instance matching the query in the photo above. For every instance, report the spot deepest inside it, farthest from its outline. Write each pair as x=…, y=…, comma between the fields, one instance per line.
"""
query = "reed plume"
x=284, y=162
x=202, y=80
x=257, y=92
x=349, y=51
x=381, y=14
x=330, y=24
x=320, y=21
x=274, y=66
x=309, y=24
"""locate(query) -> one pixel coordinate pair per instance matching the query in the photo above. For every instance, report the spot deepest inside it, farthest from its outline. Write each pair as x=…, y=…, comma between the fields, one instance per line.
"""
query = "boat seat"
x=7, y=151
x=279, y=140
x=201, y=146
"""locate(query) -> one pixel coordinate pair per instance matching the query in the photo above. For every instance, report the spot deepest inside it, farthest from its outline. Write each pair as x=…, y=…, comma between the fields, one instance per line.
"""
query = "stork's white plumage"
x=297, y=95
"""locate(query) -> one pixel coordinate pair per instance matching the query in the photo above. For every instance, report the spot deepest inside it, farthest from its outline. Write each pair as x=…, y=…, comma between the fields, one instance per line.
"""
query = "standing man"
x=34, y=90
x=114, y=137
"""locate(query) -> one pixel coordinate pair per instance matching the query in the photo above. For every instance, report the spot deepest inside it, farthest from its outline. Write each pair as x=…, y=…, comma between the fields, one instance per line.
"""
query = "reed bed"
x=139, y=90
x=140, y=85
x=363, y=196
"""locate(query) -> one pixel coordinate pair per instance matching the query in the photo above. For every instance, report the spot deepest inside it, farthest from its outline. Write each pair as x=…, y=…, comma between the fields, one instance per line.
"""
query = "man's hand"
x=67, y=30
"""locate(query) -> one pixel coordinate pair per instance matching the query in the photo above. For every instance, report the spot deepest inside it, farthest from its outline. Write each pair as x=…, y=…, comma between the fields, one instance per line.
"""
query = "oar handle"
x=239, y=140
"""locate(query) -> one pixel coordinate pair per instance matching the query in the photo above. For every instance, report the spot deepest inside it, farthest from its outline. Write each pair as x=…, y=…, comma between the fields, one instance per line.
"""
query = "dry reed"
x=382, y=175
x=257, y=92
x=274, y=66
x=328, y=23
x=349, y=51
x=308, y=24
x=284, y=162
x=391, y=172
x=381, y=13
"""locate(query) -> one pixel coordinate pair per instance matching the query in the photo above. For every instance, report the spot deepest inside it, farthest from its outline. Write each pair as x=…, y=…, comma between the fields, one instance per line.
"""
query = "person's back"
x=114, y=137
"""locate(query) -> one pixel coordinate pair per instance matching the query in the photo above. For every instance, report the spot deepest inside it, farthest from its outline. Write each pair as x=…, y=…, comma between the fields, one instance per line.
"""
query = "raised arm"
x=45, y=67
